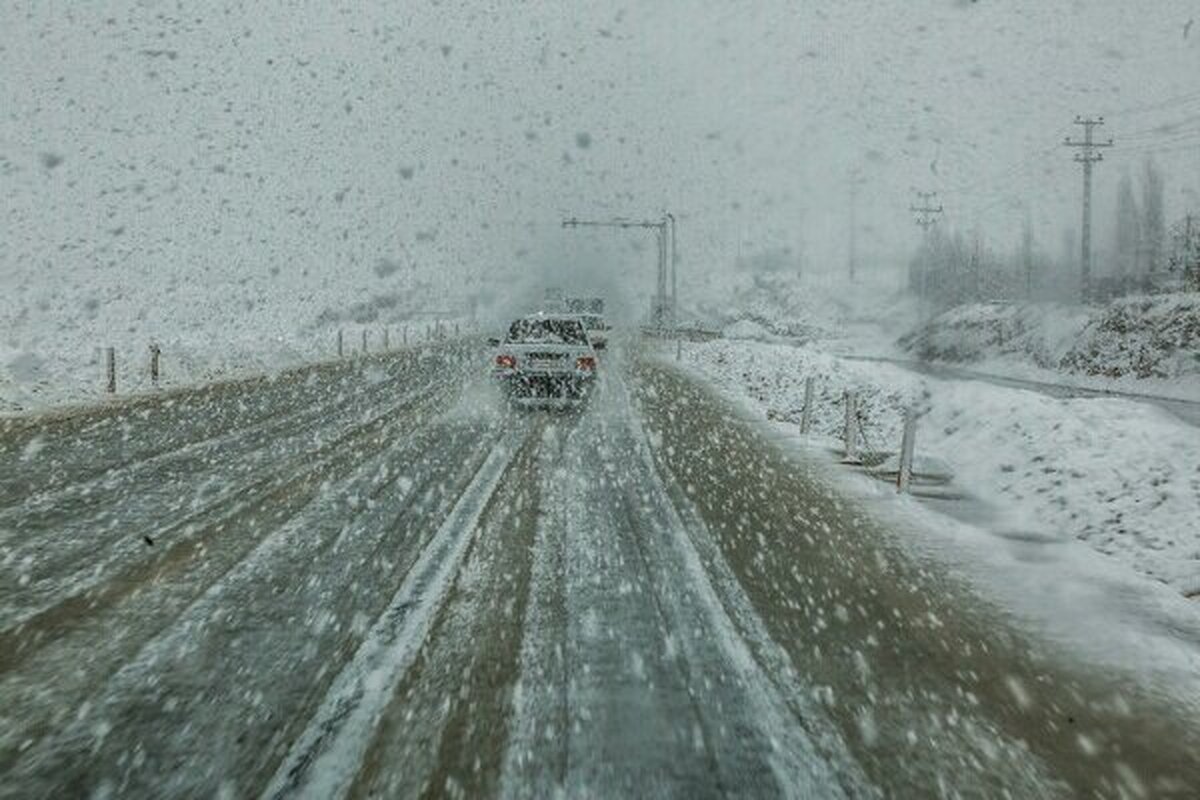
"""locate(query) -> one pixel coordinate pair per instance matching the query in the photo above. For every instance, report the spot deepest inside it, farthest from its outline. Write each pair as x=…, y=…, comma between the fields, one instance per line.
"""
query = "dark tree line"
x=1135, y=253
x=953, y=268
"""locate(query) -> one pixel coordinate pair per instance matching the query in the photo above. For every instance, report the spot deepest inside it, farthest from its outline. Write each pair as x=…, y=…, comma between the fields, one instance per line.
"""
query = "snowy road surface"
x=371, y=579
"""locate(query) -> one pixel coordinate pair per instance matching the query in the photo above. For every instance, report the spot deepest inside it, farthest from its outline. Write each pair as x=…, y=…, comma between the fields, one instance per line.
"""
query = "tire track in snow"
x=235, y=586
x=535, y=761
x=932, y=689
x=98, y=440
x=640, y=683
x=458, y=694
x=76, y=545
x=805, y=756
x=769, y=733
x=55, y=502
x=326, y=758
x=123, y=571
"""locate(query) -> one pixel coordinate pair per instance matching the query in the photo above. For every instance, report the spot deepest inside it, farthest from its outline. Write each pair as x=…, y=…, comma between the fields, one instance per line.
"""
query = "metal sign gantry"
x=663, y=304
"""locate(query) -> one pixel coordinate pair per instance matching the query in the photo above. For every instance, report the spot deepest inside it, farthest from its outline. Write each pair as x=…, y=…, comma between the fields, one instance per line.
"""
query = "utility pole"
x=1188, y=246
x=856, y=183
x=1027, y=253
x=926, y=217
x=1087, y=154
x=663, y=305
x=853, y=259
x=674, y=276
x=1191, y=265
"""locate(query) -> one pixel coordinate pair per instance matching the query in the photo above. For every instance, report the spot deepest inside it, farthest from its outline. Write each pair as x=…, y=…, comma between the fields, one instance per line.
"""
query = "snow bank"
x=1135, y=338
x=794, y=305
x=76, y=373
x=1039, y=333
x=70, y=368
x=1121, y=476
x=1147, y=337
x=746, y=329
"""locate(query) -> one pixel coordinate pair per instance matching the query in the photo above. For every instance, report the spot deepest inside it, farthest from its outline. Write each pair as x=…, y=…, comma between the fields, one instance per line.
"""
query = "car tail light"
x=506, y=361
x=585, y=362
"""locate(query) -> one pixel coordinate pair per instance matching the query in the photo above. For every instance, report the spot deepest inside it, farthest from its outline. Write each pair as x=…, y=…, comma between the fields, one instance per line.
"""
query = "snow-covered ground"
x=1141, y=344
x=32, y=379
x=1121, y=476
x=70, y=368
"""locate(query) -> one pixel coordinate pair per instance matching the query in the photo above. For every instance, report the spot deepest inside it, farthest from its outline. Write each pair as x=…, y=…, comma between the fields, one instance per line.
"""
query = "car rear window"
x=557, y=331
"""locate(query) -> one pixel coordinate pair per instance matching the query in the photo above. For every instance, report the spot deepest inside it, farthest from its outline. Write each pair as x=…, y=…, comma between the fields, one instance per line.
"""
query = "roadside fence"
x=858, y=448
x=435, y=331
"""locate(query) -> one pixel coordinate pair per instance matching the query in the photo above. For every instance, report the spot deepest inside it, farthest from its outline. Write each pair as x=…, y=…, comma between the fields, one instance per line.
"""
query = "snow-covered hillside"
x=1143, y=337
x=1040, y=334
x=1147, y=343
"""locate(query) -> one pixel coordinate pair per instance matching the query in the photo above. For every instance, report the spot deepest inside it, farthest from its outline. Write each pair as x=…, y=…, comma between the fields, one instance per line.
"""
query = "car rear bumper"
x=544, y=375
x=546, y=384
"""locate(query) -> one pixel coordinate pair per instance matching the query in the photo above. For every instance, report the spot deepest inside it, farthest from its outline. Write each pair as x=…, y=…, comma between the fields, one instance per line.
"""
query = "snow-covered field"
x=33, y=381
x=71, y=369
x=1121, y=476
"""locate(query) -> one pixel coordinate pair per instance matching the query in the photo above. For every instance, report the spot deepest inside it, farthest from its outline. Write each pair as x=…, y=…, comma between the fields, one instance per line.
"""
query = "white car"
x=546, y=356
x=597, y=330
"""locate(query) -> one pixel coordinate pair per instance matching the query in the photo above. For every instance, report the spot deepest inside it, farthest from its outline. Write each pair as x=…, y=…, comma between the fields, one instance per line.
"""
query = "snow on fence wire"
x=154, y=367
x=110, y=369
x=857, y=447
x=433, y=331
x=155, y=356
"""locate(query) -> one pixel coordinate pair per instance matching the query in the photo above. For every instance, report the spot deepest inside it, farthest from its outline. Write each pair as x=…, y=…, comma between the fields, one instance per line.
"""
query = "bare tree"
x=1127, y=229
x=1026, y=254
x=1153, y=228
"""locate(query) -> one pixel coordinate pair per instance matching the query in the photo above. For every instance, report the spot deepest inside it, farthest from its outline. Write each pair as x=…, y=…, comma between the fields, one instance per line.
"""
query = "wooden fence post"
x=155, y=354
x=907, y=443
x=851, y=429
x=806, y=413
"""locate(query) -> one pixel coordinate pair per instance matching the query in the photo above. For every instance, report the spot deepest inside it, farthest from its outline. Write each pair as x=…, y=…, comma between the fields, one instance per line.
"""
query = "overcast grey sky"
x=214, y=149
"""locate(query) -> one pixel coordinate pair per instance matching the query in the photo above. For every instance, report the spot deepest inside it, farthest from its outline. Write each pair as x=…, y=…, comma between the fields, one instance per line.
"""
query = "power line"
x=1176, y=140
x=1165, y=128
x=1004, y=188
x=1189, y=147
x=1187, y=98
x=1007, y=181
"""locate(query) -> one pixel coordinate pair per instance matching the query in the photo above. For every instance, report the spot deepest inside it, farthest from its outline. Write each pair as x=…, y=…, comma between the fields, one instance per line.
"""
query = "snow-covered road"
x=373, y=580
